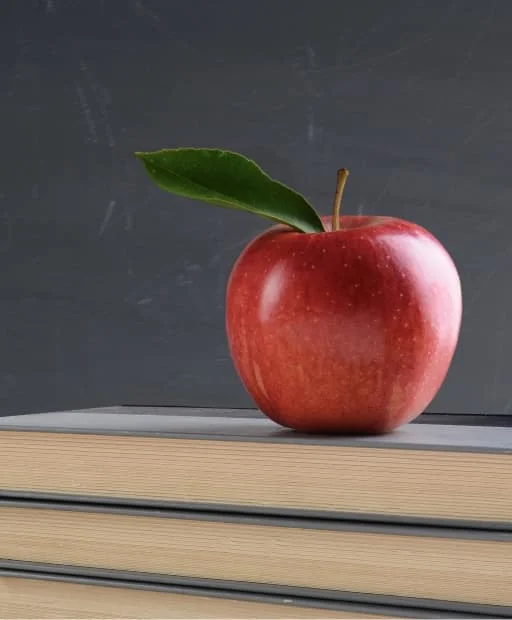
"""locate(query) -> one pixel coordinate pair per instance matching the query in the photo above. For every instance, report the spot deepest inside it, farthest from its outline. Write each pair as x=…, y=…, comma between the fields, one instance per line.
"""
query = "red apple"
x=344, y=331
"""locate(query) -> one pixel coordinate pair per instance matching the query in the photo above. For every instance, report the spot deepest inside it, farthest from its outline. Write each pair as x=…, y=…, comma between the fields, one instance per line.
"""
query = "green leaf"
x=228, y=179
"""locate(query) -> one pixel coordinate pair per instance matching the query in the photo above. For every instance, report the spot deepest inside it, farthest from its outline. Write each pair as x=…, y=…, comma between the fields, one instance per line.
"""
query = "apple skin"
x=344, y=332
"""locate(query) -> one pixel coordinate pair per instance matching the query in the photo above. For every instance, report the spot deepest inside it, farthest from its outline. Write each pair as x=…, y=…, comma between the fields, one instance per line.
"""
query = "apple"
x=350, y=330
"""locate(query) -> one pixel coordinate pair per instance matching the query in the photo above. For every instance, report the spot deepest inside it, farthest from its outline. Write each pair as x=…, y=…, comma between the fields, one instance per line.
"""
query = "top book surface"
x=434, y=473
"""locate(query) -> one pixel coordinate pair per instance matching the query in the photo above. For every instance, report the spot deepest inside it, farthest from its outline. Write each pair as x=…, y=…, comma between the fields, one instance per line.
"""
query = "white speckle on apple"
x=373, y=294
x=313, y=266
x=407, y=325
x=293, y=253
x=259, y=379
x=357, y=285
x=401, y=295
x=345, y=264
x=328, y=293
x=323, y=250
x=308, y=308
x=359, y=257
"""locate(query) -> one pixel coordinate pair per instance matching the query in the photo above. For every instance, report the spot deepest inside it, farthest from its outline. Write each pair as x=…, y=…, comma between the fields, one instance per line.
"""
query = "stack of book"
x=179, y=513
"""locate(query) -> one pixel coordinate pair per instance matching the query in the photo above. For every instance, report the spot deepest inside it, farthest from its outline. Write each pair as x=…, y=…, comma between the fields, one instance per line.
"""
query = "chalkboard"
x=112, y=291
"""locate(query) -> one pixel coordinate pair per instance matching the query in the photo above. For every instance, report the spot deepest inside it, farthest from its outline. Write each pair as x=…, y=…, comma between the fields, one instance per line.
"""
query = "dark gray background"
x=112, y=291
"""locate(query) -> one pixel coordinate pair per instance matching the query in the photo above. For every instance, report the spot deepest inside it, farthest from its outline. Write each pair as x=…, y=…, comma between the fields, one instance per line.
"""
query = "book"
x=411, y=566
x=421, y=473
x=47, y=596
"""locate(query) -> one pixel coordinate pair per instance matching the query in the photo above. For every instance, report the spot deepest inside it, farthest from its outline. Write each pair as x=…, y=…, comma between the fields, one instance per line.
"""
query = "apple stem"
x=342, y=179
